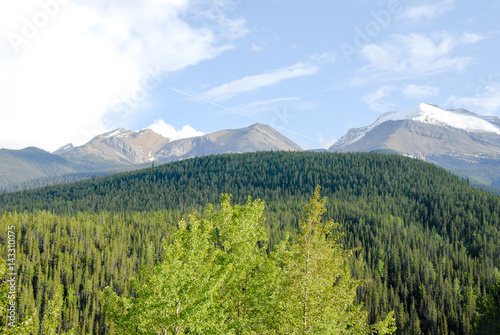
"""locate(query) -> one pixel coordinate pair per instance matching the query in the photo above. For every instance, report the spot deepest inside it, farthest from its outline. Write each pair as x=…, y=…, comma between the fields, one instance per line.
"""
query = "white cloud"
x=420, y=91
x=486, y=99
x=262, y=106
x=323, y=58
x=427, y=10
x=74, y=60
x=256, y=47
x=470, y=38
x=414, y=56
x=251, y=83
x=376, y=100
x=169, y=131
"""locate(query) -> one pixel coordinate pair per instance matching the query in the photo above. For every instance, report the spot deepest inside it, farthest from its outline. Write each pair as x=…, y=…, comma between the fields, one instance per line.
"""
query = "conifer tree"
x=28, y=326
x=318, y=291
x=488, y=320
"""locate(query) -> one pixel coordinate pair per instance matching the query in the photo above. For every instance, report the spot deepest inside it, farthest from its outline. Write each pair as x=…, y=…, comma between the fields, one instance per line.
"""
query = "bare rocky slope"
x=258, y=137
x=122, y=149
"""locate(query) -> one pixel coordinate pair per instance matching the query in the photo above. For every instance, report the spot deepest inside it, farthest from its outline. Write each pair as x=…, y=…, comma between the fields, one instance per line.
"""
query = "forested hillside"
x=429, y=242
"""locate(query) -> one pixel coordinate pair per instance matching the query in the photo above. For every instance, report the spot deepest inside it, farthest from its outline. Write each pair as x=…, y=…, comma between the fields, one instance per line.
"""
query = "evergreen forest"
x=423, y=244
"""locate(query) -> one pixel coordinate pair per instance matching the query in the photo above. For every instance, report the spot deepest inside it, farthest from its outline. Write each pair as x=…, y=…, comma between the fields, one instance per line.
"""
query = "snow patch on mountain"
x=430, y=114
x=121, y=133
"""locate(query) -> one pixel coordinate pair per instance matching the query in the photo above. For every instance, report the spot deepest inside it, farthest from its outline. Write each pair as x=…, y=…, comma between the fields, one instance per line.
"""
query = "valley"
x=428, y=241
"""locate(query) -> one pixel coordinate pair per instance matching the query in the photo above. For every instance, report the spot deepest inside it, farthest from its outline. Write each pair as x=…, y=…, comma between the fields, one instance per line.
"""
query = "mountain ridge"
x=457, y=139
x=257, y=137
x=430, y=114
x=122, y=149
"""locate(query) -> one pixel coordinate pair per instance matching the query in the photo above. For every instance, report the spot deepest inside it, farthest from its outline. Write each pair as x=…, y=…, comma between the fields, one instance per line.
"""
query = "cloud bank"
x=414, y=55
x=252, y=83
x=65, y=63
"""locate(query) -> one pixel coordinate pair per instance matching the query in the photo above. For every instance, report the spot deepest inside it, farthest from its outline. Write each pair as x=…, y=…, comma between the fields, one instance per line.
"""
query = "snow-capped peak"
x=64, y=149
x=430, y=114
x=120, y=132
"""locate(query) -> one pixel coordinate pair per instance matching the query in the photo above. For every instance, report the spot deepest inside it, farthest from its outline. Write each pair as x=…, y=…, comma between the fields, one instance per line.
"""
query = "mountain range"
x=121, y=150
x=465, y=143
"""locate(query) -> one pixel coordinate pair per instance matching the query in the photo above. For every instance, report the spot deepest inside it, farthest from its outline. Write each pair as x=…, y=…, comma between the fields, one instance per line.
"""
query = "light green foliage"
x=52, y=318
x=318, y=292
x=208, y=281
x=179, y=293
x=246, y=295
x=27, y=326
x=51, y=324
x=217, y=278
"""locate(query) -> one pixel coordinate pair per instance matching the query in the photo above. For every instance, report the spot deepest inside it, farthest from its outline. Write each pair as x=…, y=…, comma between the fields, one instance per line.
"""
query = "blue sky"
x=70, y=70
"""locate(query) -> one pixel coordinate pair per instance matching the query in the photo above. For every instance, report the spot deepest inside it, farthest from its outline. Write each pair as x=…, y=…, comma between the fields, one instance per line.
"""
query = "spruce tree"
x=318, y=291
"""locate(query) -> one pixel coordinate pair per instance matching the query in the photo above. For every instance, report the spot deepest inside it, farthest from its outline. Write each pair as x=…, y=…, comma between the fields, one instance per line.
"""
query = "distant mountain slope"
x=118, y=147
x=111, y=152
x=258, y=137
x=68, y=178
x=18, y=166
x=262, y=175
x=458, y=140
x=128, y=147
x=123, y=150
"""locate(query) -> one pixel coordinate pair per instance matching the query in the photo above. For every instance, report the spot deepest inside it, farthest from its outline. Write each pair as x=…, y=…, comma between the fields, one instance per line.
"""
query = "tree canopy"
x=217, y=278
x=428, y=243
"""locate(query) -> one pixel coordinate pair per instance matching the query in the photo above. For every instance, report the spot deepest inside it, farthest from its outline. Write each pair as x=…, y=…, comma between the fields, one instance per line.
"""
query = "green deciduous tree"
x=209, y=280
x=217, y=278
x=179, y=294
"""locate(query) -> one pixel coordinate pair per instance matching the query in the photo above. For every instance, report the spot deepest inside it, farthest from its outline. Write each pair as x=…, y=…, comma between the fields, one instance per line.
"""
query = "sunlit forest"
x=416, y=244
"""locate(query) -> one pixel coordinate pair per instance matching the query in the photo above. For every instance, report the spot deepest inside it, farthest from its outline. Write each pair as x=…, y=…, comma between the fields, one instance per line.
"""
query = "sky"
x=73, y=69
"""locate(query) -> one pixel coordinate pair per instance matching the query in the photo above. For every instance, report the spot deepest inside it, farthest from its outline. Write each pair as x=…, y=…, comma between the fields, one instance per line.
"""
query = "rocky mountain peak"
x=456, y=139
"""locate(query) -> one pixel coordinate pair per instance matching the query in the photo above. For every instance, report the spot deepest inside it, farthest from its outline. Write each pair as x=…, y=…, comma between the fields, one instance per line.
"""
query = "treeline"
x=66, y=178
x=48, y=181
x=430, y=243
